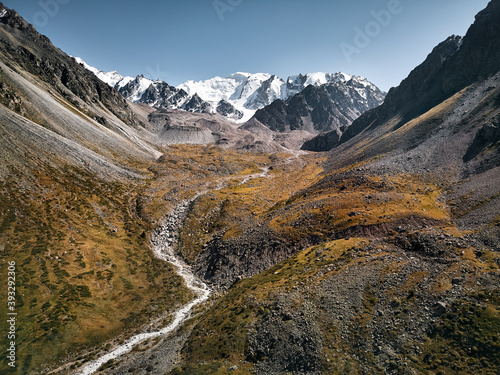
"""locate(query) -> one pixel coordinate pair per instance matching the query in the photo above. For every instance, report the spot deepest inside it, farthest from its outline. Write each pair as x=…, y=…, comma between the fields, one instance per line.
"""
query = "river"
x=163, y=241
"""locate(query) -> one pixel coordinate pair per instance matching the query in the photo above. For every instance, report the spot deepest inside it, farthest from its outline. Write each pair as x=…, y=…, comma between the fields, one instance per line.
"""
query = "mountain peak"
x=328, y=102
x=241, y=93
x=453, y=65
x=11, y=18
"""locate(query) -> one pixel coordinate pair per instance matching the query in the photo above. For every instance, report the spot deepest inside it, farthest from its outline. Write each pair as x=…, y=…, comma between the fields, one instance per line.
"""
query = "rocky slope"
x=450, y=67
x=382, y=256
x=396, y=243
x=34, y=53
x=53, y=97
x=74, y=158
x=391, y=286
x=329, y=107
x=445, y=129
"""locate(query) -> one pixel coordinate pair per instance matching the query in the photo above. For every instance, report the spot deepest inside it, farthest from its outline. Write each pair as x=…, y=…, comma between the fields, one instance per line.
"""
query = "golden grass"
x=85, y=270
x=366, y=201
x=228, y=208
x=88, y=272
x=221, y=334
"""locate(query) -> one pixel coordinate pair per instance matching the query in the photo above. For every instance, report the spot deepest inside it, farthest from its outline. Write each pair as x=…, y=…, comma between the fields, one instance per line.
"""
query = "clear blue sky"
x=178, y=40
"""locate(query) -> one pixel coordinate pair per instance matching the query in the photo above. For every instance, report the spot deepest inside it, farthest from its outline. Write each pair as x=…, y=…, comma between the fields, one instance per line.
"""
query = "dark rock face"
x=487, y=136
x=479, y=54
x=274, y=115
x=162, y=95
x=297, y=84
x=323, y=142
x=223, y=262
x=453, y=65
x=36, y=54
x=226, y=109
x=197, y=104
x=317, y=109
x=128, y=89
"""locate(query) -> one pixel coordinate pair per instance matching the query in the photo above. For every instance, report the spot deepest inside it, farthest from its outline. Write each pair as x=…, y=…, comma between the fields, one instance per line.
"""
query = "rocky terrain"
x=452, y=66
x=294, y=111
x=380, y=256
x=396, y=246
x=330, y=107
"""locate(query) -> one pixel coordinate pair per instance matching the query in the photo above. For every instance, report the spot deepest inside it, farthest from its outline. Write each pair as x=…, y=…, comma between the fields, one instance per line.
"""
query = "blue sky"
x=178, y=40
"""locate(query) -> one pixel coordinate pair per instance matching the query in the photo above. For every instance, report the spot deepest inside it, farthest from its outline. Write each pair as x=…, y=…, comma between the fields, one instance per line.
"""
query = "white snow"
x=123, y=82
x=139, y=89
x=361, y=92
x=243, y=90
x=236, y=89
x=113, y=79
x=3, y=13
x=316, y=79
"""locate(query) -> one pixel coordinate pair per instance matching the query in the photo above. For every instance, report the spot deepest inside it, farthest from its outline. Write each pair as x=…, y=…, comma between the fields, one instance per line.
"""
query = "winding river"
x=163, y=241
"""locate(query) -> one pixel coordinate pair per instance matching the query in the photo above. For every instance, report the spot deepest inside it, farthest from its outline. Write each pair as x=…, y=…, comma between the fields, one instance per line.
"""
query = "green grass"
x=467, y=338
x=79, y=282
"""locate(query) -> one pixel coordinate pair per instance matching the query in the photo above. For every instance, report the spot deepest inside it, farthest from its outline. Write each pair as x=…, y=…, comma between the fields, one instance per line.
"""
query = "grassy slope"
x=365, y=212
x=85, y=271
x=464, y=340
x=230, y=209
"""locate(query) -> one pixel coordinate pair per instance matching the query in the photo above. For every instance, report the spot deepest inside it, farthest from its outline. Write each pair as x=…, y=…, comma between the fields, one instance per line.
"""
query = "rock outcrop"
x=453, y=65
x=332, y=106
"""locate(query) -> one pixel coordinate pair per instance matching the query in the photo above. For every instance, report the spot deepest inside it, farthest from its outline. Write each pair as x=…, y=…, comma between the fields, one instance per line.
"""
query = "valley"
x=369, y=258
x=250, y=224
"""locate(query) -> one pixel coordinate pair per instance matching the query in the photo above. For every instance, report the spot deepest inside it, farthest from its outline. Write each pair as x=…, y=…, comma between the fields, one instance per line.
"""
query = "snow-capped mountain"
x=134, y=89
x=237, y=96
x=333, y=105
x=239, y=89
x=114, y=79
x=250, y=92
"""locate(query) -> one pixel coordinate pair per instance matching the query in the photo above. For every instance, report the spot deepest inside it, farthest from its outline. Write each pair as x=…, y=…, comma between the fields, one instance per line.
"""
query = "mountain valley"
x=333, y=228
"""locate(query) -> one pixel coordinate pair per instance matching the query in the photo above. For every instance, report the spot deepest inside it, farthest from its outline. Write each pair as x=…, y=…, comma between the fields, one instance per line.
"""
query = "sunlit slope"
x=382, y=290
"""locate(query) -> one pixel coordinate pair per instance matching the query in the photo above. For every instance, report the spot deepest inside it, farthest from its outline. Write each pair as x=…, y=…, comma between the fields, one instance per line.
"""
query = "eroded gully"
x=163, y=241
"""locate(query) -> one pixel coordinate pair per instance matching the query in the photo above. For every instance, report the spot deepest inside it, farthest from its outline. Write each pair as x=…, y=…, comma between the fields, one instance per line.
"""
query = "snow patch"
x=247, y=92
x=113, y=79
x=139, y=89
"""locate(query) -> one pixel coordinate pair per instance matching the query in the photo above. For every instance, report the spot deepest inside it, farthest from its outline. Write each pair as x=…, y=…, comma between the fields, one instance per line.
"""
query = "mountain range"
x=159, y=236
x=240, y=95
